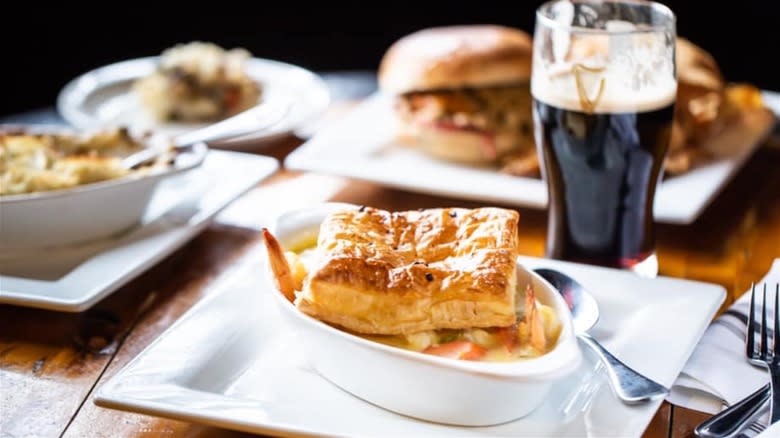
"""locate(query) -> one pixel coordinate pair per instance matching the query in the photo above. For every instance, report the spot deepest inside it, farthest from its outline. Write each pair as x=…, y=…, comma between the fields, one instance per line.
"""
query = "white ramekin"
x=423, y=386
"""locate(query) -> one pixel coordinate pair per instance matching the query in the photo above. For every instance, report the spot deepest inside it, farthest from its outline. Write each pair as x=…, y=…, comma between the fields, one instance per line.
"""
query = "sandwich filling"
x=487, y=111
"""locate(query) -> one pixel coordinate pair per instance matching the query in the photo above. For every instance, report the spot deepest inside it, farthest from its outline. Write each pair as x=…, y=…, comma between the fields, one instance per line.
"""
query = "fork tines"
x=750, y=344
x=759, y=349
x=776, y=322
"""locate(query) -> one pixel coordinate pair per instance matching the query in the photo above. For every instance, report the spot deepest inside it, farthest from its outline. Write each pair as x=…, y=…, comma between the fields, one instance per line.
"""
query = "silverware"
x=730, y=422
x=258, y=118
x=759, y=353
x=627, y=384
x=754, y=427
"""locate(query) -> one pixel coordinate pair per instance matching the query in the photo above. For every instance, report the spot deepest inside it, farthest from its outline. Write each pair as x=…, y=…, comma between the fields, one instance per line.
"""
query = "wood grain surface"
x=51, y=363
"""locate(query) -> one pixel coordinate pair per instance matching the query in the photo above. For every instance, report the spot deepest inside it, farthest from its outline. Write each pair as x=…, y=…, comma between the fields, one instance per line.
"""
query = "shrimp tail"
x=279, y=265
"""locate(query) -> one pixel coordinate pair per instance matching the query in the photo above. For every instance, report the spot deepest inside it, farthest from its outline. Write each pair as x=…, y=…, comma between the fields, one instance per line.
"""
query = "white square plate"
x=73, y=278
x=363, y=146
x=228, y=362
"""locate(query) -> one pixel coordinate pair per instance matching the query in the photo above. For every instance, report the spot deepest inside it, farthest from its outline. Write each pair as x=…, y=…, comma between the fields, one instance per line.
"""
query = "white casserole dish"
x=83, y=213
x=419, y=385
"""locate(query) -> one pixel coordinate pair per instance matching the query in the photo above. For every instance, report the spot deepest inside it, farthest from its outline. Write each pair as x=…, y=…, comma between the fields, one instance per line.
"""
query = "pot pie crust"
x=378, y=272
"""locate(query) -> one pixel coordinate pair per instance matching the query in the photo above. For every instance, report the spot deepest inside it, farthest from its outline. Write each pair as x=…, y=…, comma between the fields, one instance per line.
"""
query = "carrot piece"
x=279, y=265
x=457, y=350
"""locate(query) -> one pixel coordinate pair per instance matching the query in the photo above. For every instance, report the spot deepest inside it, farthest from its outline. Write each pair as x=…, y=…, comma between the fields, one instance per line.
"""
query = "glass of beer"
x=603, y=86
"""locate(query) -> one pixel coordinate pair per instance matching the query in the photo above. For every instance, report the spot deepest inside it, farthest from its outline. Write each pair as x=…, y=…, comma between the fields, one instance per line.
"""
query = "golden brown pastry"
x=395, y=273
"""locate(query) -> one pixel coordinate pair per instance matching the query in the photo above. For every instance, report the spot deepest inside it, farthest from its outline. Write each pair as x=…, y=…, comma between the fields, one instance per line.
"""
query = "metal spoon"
x=629, y=386
x=258, y=118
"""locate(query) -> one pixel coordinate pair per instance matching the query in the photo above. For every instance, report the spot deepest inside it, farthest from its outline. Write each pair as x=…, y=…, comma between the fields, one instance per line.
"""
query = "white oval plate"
x=104, y=97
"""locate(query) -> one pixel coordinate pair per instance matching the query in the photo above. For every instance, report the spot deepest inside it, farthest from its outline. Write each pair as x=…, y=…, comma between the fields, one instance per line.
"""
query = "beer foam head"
x=620, y=67
x=600, y=91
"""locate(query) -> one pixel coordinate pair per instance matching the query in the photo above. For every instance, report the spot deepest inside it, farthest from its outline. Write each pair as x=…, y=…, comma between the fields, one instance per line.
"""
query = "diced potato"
x=482, y=337
x=422, y=340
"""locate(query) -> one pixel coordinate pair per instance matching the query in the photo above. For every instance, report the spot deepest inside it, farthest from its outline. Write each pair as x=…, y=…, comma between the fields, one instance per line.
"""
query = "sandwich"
x=462, y=92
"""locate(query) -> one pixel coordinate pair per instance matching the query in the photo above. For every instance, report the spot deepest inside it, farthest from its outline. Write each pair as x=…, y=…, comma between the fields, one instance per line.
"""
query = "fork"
x=758, y=351
x=729, y=422
x=756, y=428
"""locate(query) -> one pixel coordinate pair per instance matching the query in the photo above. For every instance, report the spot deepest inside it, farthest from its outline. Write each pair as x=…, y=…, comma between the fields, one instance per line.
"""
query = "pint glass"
x=603, y=87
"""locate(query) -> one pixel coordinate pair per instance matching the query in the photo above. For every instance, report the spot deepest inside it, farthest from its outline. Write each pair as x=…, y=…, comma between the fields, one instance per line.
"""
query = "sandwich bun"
x=456, y=57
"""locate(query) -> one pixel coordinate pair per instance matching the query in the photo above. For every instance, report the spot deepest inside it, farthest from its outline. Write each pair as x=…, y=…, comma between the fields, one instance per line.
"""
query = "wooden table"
x=52, y=363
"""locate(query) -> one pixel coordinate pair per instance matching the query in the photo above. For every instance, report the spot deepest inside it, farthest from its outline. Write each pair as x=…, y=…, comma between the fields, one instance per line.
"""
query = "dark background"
x=44, y=48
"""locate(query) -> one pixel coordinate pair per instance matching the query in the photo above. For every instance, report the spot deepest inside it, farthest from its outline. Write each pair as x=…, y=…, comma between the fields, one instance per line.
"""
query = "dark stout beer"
x=601, y=170
x=604, y=84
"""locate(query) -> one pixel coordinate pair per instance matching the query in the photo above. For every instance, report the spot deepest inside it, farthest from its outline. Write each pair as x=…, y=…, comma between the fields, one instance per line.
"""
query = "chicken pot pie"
x=439, y=281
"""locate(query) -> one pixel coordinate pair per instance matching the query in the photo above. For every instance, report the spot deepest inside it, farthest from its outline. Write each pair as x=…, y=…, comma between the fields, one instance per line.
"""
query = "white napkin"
x=772, y=431
x=717, y=373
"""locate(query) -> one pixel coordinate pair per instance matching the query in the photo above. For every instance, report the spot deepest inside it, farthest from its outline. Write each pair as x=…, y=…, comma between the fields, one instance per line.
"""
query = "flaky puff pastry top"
x=378, y=272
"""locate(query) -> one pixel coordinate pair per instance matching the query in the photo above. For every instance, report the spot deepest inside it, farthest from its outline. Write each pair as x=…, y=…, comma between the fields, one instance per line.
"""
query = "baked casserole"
x=44, y=162
x=437, y=281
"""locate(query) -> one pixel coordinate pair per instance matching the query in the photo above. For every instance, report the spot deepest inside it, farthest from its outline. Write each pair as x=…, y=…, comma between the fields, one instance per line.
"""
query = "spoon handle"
x=259, y=118
x=630, y=386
